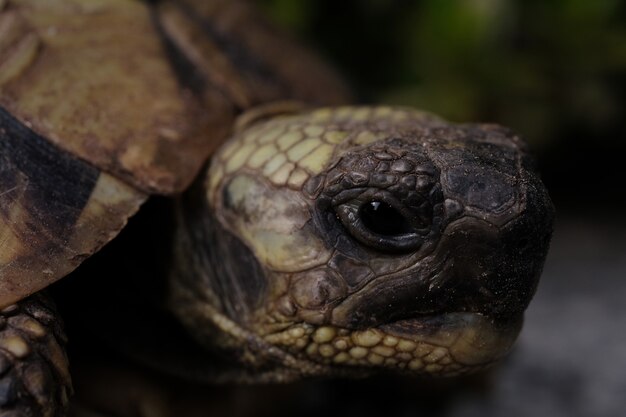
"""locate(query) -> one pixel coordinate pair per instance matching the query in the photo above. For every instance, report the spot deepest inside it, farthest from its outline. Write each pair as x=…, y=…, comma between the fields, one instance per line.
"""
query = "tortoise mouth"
x=447, y=344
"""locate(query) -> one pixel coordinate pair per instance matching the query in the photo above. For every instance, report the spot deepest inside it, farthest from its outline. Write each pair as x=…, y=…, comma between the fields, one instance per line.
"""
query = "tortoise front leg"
x=34, y=376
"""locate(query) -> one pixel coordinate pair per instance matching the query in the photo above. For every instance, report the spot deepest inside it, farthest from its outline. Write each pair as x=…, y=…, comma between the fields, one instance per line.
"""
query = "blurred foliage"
x=554, y=70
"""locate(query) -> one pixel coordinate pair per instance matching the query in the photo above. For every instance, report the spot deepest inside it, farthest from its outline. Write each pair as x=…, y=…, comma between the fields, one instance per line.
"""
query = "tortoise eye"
x=380, y=225
x=382, y=219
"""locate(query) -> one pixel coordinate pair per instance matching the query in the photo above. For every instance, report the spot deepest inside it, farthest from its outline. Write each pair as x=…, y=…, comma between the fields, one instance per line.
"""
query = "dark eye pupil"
x=380, y=218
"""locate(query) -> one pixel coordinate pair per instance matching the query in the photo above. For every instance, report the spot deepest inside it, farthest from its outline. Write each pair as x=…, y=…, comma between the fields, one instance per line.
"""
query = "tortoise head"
x=341, y=240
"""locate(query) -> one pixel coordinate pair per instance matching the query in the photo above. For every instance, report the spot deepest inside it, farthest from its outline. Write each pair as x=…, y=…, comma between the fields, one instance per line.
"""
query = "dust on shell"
x=464, y=343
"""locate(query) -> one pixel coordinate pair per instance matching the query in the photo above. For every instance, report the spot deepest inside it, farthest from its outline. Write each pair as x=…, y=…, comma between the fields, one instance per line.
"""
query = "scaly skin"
x=330, y=294
x=34, y=375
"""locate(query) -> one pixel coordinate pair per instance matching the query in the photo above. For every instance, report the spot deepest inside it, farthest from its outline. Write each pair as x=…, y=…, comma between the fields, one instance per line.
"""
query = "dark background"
x=555, y=71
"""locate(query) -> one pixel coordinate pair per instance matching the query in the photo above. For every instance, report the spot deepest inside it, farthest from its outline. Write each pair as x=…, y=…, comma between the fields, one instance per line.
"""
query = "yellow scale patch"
x=288, y=150
x=369, y=348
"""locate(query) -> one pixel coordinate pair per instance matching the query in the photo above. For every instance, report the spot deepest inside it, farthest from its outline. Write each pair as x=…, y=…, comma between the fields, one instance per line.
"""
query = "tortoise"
x=309, y=237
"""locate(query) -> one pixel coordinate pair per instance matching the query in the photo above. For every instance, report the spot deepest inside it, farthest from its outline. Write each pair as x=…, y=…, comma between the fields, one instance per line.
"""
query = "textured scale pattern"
x=289, y=150
x=372, y=347
x=388, y=166
x=34, y=377
x=291, y=186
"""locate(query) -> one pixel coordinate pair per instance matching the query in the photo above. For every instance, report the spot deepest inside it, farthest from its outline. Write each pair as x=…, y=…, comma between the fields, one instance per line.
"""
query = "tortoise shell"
x=103, y=103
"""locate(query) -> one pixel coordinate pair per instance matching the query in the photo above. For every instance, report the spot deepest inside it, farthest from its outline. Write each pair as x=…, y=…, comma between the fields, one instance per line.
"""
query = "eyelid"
x=348, y=214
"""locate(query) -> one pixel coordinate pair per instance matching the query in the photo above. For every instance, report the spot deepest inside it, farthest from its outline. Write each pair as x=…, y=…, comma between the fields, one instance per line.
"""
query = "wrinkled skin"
x=363, y=238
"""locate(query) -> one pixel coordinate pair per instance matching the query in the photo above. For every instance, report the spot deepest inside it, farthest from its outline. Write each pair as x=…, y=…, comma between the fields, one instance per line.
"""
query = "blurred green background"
x=555, y=71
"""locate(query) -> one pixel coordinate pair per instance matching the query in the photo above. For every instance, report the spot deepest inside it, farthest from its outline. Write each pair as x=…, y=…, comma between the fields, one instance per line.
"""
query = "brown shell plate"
x=143, y=92
x=146, y=93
